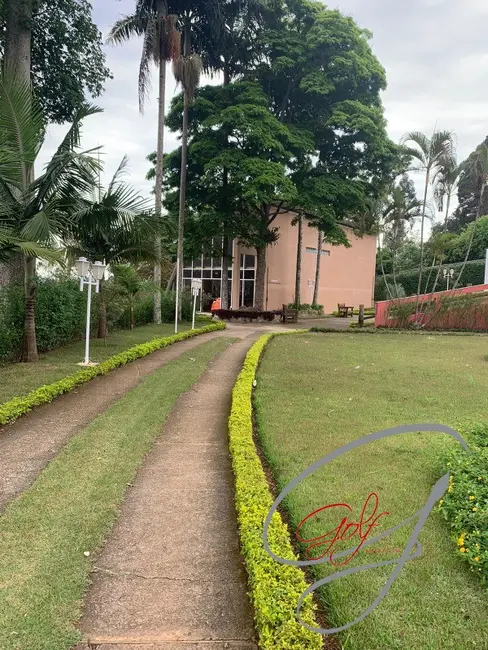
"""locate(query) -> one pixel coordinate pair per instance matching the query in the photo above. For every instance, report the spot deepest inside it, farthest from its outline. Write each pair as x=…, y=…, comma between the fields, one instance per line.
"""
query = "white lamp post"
x=448, y=275
x=89, y=274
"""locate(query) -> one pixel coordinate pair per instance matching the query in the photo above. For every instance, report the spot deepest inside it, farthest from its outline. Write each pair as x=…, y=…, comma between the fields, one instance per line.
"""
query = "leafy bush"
x=465, y=504
x=60, y=315
x=474, y=274
x=274, y=588
x=307, y=307
x=14, y=408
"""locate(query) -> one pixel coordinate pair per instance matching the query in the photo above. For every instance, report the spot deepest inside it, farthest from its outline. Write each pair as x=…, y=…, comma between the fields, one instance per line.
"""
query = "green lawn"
x=70, y=509
x=20, y=378
x=316, y=392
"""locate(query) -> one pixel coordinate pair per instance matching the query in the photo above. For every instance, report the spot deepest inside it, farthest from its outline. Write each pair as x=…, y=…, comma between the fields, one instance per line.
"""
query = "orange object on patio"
x=216, y=305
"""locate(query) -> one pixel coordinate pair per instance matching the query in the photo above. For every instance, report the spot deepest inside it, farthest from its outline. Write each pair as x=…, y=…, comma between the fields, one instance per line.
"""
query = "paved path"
x=170, y=576
x=27, y=445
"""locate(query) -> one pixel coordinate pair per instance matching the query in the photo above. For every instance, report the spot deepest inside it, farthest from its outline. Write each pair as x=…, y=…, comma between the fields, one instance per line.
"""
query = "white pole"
x=88, y=315
x=177, y=293
x=195, y=294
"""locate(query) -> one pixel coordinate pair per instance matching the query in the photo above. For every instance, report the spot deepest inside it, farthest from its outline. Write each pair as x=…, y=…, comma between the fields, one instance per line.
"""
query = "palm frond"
x=21, y=127
x=120, y=172
x=149, y=46
x=187, y=71
x=11, y=244
x=126, y=28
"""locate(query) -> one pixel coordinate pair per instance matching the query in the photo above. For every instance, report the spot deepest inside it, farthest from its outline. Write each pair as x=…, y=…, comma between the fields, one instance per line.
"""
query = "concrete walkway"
x=170, y=576
x=27, y=445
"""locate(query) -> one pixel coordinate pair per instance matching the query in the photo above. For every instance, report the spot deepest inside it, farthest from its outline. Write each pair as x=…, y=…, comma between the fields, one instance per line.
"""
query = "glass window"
x=197, y=273
x=207, y=262
x=311, y=250
x=197, y=263
x=326, y=253
x=248, y=294
x=249, y=261
x=230, y=245
x=207, y=273
x=187, y=273
x=217, y=274
x=249, y=275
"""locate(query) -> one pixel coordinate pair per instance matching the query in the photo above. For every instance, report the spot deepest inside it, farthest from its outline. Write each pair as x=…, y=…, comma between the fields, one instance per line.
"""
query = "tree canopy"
x=68, y=62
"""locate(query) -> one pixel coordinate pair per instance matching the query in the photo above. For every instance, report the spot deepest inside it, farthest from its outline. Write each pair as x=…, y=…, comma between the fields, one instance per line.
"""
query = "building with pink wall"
x=347, y=274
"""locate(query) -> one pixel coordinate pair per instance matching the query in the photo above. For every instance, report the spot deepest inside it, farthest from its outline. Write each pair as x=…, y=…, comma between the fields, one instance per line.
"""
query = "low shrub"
x=230, y=314
x=307, y=307
x=274, y=588
x=14, y=408
x=465, y=504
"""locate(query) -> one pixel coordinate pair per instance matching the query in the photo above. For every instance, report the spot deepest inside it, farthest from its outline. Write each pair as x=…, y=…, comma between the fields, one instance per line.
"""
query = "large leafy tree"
x=58, y=43
x=161, y=43
x=114, y=226
x=37, y=210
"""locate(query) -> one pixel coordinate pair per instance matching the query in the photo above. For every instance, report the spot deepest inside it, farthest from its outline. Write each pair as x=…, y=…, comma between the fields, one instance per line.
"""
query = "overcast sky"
x=435, y=54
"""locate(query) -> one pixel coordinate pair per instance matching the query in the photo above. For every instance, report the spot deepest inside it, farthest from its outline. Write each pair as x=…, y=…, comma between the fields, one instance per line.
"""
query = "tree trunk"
x=158, y=190
x=131, y=313
x=316, y=288
x=447, y=210
x=102, y=313
x=419, y=287
x=30, y=343
x=298, y=278
x=172, y=278
x=224, y=298
x=260, y=287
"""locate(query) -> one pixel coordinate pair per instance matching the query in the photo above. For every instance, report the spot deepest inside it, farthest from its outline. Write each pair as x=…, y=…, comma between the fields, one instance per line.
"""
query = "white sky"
x=434, y=52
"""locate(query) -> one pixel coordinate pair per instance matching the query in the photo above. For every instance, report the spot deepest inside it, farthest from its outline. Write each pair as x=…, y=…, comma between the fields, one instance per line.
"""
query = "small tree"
x=130, y=283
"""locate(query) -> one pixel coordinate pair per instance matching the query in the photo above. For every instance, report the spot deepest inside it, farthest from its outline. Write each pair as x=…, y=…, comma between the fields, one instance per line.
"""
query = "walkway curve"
x=27, y=445
x=170, y=576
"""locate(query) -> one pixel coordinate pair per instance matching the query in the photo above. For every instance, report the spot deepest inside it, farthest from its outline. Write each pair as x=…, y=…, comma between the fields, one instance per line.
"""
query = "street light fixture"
x=89, y=274
x=448, y=275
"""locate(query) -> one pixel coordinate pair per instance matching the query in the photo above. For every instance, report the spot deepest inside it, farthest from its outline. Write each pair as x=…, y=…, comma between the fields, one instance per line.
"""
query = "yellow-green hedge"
x=274, y=588
x=14, y=408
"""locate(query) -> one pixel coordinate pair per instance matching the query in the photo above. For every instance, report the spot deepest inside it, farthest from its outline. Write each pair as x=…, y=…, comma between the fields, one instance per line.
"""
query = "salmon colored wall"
x=347, y=275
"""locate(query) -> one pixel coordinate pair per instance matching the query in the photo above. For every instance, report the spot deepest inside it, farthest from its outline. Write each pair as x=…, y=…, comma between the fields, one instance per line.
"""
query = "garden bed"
x=247, y=315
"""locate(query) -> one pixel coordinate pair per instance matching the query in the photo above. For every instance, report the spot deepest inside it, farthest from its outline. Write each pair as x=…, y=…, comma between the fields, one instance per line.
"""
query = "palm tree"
x=187, y=69
x=113, y=226
x=129, y=281
x=446, y=182
x=477, y=168
x=36, y=210
x=161, y=44
x=430, y=153
x=298, y=274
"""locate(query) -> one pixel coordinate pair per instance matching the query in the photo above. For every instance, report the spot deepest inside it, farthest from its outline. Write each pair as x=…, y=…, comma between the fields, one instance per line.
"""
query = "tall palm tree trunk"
x=159, y=189
x=316, y=288
x=181, y=218
x=424, y=207
x=224, y=298
x=30, y=343
x=447, y=210
x=131, y=313
x=298, y=277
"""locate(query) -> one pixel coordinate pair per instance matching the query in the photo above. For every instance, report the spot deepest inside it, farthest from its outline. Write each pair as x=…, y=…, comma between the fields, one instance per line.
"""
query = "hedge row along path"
x=170, y=576
x=27, y=445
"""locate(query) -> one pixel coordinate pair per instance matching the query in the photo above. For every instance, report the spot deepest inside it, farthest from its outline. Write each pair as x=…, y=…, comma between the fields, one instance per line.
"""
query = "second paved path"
x=170, y=576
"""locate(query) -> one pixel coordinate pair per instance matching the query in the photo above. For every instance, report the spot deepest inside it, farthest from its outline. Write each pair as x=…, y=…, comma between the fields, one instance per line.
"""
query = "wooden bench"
x=344, y=311
x=290, y=315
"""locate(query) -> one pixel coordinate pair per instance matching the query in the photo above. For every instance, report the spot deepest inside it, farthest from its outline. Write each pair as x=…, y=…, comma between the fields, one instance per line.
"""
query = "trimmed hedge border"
x=274, y=588
x=14, y=408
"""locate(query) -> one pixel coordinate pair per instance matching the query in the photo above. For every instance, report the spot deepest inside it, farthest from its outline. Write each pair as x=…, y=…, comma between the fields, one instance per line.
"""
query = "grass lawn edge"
x=18, y=406
x=274, y=589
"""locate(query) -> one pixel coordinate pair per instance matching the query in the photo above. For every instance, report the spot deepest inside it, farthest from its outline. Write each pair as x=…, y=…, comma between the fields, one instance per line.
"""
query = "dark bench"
x=290, y=315
x=344, y=311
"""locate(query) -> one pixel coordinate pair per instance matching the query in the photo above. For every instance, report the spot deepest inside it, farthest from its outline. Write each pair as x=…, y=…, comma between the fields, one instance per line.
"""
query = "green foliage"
x=61, y=313
x=68, y=62
x=274, y=588
x=14, y=408
x=473, y=274
x=465, y=504
x=469, y=192
x=307, y=307
x=459, y=246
